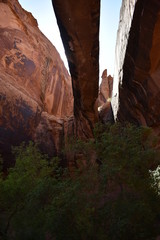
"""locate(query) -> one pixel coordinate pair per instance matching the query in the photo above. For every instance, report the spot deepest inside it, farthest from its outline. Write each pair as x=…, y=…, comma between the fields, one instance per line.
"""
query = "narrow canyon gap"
x=78, y=22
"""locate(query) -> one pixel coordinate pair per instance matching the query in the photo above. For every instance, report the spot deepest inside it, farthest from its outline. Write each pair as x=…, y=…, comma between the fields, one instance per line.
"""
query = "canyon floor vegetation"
x=112, y=194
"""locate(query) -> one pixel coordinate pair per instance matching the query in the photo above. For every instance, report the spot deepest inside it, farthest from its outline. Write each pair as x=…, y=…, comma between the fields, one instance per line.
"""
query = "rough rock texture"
x=105, y=89
x=136, y=91
x=35, y=87
x=125, y=21
x=104, y=98
x=79, y=27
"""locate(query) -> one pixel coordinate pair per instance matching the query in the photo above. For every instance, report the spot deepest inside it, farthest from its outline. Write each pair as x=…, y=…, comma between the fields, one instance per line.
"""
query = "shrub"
x=118, y=198
x=131, y=202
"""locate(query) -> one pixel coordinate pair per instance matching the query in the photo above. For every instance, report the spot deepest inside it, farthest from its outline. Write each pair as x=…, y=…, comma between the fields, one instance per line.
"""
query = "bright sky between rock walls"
x=110, y=9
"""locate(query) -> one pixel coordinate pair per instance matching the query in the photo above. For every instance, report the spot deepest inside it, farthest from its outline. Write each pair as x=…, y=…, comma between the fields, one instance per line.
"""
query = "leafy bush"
x=118, y=198
x=132, y=203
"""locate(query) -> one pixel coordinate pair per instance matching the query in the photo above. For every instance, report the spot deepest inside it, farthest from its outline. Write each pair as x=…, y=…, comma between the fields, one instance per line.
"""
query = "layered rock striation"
x=136, y=91
x=35, y=87
x=79, y=27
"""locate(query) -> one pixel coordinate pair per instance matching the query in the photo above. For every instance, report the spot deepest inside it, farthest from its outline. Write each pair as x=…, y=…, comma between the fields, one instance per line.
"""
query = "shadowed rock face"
x=35, y=87
x=79, y=27
x=136, y=92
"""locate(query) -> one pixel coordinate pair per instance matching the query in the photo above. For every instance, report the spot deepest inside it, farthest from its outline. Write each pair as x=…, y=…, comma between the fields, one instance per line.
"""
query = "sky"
x=43, y=12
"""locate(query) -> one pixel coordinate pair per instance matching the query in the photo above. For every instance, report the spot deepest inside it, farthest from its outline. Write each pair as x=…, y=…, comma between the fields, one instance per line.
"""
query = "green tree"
x=23, y=193
x=118, y=198
x=131, y=202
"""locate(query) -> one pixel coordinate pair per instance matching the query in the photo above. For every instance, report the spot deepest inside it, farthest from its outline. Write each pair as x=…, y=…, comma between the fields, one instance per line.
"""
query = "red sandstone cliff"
x=136, y=91
x=104, y=98
x=105, y=89
x=78, y=22
x=35, y=87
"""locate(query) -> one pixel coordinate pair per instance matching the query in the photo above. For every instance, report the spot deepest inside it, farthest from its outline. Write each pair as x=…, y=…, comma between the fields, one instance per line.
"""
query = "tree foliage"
x=113, y=194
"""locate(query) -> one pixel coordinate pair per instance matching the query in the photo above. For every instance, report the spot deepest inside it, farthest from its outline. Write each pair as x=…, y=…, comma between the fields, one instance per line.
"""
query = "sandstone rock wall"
x=35, y=87
x=136, y=92
x=105, y=89
x=125, y=21
x=79, y=27
x=104, y=98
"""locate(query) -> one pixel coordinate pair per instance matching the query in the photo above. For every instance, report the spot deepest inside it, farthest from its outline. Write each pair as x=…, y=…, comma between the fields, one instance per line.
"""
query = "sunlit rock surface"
x=35, y=87
x=104, y=98
x=136, y=91
x=79, y=27
x=105, y=89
